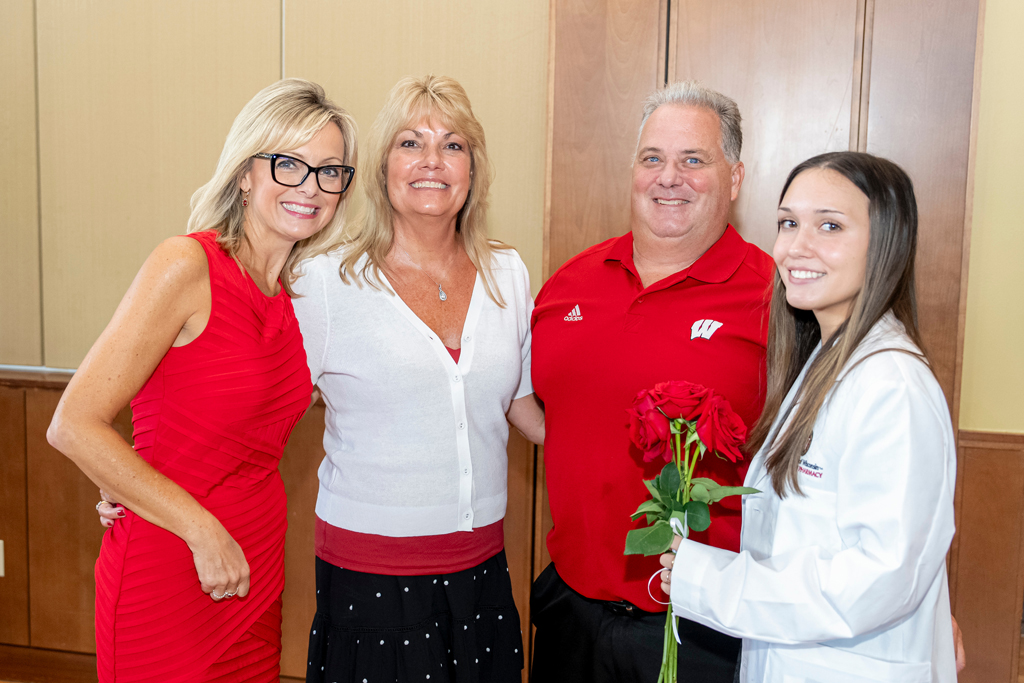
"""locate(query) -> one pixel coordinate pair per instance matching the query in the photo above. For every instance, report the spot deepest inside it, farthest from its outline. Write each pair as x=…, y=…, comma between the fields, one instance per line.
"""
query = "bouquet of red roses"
x=680, y=422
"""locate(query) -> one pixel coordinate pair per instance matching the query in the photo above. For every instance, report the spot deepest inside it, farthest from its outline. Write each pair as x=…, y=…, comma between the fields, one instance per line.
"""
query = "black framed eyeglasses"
x=292, y=172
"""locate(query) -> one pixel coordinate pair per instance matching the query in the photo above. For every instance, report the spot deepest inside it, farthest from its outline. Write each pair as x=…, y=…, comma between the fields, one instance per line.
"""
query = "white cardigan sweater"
x=847, y=583
x=416, y=444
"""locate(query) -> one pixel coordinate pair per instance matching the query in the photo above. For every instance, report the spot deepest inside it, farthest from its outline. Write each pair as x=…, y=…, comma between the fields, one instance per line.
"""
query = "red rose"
x=721, y=429
x=649, y=429
x=680, y=399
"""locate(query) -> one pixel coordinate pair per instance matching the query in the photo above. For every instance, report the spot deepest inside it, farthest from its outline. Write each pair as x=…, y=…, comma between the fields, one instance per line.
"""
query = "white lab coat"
x=846, y=583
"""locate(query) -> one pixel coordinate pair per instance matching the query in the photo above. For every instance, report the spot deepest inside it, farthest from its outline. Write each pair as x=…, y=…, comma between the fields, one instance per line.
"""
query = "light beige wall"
x=497, y=51
x=19, y=208
x=135, y=99
x=992, y=395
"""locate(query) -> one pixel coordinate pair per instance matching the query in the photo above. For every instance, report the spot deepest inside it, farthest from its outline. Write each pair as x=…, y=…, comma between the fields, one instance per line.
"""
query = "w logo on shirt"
x=704, y=328
x=574, y=314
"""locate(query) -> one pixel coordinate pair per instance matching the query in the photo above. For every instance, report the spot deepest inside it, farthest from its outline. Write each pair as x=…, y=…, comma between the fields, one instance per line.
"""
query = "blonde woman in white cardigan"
x=417, y=332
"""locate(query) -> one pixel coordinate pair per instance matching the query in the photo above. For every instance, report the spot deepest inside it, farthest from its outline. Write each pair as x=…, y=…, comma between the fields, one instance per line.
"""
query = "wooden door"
x=790, y=67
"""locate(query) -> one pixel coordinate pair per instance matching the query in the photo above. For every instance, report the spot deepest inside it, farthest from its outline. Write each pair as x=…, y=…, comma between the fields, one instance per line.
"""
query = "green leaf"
x=709, y=484
x=655, y=493
x=648, y=507
x=675, y=506
x=698, y=516
x=723, y=491
x=700, y=492
x=652, y=540
x=668, y=480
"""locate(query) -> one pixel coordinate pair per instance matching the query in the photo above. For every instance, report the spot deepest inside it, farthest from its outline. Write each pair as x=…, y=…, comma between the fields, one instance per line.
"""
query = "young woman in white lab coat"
x=841, y=577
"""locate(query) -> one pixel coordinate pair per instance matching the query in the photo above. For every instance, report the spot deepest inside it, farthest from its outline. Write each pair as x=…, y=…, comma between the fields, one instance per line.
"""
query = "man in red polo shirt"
x=680, y=296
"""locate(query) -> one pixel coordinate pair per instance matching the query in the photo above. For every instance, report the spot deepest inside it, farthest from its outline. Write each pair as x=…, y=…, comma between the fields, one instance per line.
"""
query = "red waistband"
x=407, y=555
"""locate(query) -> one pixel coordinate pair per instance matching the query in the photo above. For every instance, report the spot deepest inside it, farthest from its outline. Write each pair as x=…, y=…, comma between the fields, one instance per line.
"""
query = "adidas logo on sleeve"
x=574, y=314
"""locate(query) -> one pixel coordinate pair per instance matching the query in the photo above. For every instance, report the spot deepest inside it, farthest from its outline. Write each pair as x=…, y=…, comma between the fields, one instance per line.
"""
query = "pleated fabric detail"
x=214, y=417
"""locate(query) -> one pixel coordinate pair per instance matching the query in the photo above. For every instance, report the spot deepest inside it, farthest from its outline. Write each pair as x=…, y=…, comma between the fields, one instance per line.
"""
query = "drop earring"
x=245, y=199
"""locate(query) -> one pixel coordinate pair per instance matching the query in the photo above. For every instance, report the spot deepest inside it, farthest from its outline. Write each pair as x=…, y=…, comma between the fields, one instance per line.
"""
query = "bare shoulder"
x=180, y=260
x=173, y=283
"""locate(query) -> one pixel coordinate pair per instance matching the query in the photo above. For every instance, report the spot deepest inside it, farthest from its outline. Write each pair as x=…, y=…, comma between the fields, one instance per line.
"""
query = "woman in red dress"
x=189, y=578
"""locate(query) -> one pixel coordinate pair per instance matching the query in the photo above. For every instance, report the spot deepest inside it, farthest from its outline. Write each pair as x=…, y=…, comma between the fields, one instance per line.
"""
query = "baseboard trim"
x=999, y=441
x=36, y=665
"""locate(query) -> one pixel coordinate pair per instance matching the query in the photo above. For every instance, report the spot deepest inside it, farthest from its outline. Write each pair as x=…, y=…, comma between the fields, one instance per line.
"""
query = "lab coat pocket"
x=823, y=664
x=807, y=519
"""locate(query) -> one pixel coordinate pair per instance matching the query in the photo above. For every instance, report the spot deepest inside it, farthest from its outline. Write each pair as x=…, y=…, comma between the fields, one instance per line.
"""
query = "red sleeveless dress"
x=214, y=417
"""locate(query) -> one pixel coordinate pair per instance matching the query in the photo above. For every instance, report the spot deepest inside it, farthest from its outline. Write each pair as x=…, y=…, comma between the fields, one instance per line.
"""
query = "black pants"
x=593, y=641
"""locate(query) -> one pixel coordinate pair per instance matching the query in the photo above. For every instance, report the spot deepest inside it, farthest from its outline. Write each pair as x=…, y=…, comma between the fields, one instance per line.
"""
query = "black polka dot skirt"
x=442, y=628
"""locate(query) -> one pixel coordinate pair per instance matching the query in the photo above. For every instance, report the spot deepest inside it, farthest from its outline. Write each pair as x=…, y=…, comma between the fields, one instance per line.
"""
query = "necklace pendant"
x=440, y=294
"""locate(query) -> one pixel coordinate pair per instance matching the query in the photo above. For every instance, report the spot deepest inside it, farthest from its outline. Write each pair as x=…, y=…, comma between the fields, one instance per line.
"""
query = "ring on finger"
x=214, y=595
x=103, y=502
x=229, y=595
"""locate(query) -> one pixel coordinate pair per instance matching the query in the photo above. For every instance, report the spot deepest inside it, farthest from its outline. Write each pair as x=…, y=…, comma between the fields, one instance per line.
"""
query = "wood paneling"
x=497, y=51
x=990, y=576
x=13, y=524
x=25, y=379
x=46, y=666
x=790, y=67
x=519, y=529
x=299, y=464
x=542, y=522
x=19, y=206
x=136, y=98
x=921, y=91
x=63, y=534
x=606, y=61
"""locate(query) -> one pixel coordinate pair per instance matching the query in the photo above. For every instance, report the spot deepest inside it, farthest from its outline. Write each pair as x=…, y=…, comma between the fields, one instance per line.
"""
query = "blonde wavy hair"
x=443, y=100
x=285, y=115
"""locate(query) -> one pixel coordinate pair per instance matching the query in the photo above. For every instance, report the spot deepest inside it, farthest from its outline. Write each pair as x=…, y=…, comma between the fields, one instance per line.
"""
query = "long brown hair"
x=793, y=334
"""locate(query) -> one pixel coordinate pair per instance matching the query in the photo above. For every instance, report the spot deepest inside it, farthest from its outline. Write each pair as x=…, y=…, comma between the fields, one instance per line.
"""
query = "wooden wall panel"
x=46, y=666
x=990, y=576
x=519, y=529
x=302, y=457
x=13, y=523
x=135, y=100
x=19, y=202
x=921, y=89
x=63, y=534
x=606, y=61
x=497, y=51
x=790, y=67
x=542, y=523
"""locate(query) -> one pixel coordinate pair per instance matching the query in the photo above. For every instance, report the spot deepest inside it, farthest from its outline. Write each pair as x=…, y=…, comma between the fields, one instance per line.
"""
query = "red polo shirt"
x=599, y=338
